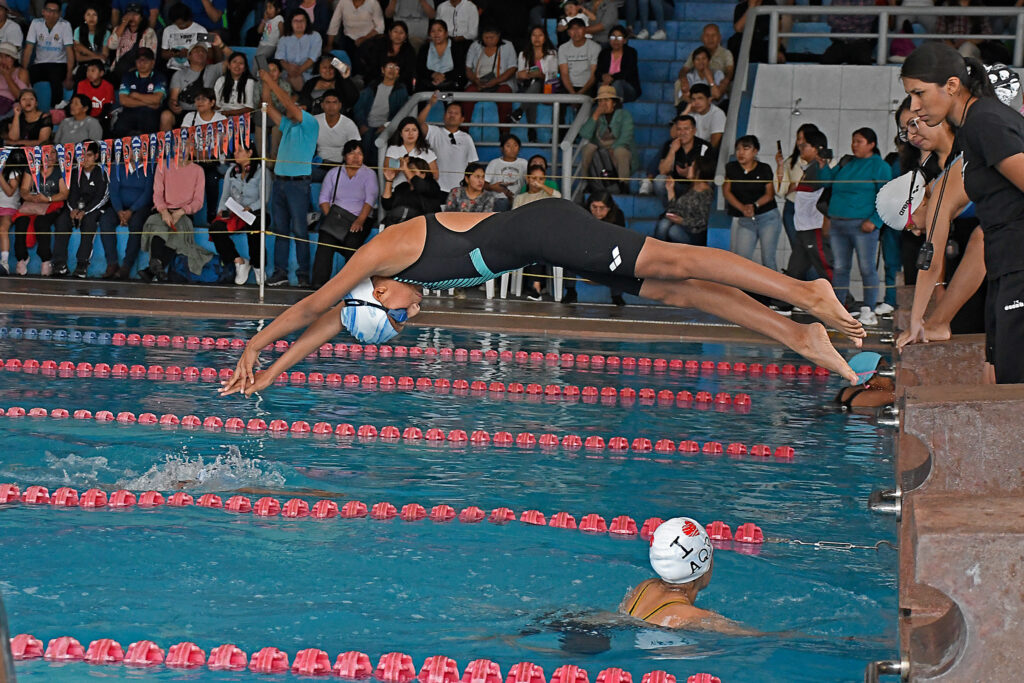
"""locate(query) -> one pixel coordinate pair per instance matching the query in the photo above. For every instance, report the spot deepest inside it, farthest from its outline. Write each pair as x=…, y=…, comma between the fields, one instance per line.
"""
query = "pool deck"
x=474, y=312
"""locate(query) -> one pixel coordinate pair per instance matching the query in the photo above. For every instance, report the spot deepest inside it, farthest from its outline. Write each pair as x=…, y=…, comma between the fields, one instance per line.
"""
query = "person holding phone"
x=179, y=36
x=537, y=73
x=687, y=214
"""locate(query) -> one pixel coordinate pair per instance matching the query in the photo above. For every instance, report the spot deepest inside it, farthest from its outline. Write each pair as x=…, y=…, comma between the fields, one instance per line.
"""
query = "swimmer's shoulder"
x=631, y=596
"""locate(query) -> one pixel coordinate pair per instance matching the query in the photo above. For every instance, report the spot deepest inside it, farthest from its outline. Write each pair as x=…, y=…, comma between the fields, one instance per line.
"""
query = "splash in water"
x=223, y=473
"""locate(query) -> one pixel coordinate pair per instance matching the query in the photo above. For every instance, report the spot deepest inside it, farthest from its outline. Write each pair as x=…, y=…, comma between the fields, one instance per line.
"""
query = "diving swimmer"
x=682, y=556
x=384, y=280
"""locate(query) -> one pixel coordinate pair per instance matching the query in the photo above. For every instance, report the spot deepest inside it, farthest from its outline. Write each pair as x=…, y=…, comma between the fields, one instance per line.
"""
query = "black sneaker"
x=81, y=272
x=303, y=283
x=277, y=279
x=60, y=270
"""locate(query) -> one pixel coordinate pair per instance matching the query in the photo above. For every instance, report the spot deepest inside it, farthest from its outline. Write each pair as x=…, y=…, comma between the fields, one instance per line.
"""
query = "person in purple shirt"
x=350, y=193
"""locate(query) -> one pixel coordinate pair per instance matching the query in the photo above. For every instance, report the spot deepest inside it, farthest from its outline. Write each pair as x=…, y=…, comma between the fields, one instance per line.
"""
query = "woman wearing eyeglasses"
x=962, y=305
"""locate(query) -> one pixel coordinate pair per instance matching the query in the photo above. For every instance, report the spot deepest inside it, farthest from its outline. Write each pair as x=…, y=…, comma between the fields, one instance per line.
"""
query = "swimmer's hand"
x=244, y=377
x=916, y=334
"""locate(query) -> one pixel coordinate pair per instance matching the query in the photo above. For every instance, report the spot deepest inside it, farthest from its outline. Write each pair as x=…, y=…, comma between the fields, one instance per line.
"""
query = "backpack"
x=602, y=172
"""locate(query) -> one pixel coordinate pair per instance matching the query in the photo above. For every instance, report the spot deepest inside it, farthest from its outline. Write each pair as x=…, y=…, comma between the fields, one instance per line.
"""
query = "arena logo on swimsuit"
x=616, y=259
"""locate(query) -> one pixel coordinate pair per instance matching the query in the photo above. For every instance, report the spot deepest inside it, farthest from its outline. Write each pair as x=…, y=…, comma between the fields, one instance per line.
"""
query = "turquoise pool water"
x=466, y=591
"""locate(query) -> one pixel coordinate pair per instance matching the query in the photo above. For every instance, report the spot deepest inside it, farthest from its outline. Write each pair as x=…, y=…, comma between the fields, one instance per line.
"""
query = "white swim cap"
x=899, y=198
x=681, y=550
x=364, y=316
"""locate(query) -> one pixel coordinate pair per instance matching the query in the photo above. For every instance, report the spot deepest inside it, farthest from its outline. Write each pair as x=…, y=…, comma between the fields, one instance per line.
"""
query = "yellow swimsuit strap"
x=670, y=602
x=637, y=601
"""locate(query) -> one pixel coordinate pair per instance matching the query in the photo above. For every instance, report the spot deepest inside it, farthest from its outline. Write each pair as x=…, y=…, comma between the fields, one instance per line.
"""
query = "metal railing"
x=562, y=138
x=740, y=84
x=884, y=36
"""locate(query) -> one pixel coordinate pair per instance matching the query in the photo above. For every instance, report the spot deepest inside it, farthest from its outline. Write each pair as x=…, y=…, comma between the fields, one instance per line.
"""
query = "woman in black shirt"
x=943, y=85
x=29, y=127
x=749, y=191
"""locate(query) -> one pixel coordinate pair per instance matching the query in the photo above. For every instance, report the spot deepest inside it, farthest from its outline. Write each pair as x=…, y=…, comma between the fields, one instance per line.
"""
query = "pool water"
x=508, y=593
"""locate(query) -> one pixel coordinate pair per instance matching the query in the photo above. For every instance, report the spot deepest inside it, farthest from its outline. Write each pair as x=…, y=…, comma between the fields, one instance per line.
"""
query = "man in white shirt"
x=577, y=60
x=52, y=41
x=709, y=118
x=335, y=131
x=454, y=148
x=10, y=32
x=357, y=24
x=416, y=14
x=179, y=36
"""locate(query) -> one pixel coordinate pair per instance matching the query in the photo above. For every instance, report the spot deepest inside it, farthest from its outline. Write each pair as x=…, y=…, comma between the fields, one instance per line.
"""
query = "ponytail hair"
x=938, y=62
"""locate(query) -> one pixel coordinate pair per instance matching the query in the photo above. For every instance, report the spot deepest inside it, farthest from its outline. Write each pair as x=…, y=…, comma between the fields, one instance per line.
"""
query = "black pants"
x=159, y=250
x=225, y=246
x=811, y=249
x=909, y=249
x=87, y=225
x=44, y=227
x=328, y=246
x=54, y=75
x=211, y=171
x=1004, y=327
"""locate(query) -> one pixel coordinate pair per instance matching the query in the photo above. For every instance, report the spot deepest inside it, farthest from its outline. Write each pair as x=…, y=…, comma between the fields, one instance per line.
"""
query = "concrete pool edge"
x=959, y=481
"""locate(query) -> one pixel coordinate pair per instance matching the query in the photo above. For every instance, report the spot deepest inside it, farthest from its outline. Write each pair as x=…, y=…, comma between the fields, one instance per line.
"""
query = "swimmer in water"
x=682, y=555
x=381, y=285
x=877, y=391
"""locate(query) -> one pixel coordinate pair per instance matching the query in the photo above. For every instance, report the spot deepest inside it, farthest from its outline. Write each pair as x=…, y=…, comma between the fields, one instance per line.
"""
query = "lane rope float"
x=607, y=395
x=746, y=538
x=622, y=526
x=369, y=352
x=392, y=667
x=594, y=445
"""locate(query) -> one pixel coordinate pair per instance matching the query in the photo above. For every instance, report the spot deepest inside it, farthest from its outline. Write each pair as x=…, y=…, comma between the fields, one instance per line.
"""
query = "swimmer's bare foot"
x=814, y=345
x=937, y=331
x=823, y=305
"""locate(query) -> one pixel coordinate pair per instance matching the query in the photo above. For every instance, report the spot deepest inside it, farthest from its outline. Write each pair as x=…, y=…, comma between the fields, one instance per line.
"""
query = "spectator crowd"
x=334, y=75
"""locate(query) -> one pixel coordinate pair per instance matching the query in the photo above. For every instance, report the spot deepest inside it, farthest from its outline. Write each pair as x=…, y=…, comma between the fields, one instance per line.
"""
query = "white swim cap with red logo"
x=681, y=550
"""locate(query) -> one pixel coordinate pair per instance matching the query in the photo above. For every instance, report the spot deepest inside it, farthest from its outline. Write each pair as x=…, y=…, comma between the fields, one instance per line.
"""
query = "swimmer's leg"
x=810, y=341
x=665, y=261
x=968, y=277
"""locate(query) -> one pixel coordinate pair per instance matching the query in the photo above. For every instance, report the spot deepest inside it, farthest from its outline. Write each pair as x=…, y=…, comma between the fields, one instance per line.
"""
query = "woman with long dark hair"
x=956, y=230
x=537, y=72
x=237, y=91
x=394, y=46
x=408, y=141
x=853, y=221
x=944, y=86
x=788, y=172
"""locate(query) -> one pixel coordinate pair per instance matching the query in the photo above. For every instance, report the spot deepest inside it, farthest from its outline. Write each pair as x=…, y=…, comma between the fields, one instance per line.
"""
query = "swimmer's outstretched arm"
x=954, y=201
x=383, y=255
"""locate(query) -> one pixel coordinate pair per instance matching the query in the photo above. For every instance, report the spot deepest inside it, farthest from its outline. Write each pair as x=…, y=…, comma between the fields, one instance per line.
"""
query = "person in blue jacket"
x=131, y=198
x=854, y=222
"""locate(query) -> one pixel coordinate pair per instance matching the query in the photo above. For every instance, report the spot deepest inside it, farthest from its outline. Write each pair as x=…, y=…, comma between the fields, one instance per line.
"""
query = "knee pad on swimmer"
x=366, y=319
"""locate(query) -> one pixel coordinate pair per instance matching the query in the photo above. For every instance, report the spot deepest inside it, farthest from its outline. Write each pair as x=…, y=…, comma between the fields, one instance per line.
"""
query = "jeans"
x=667, y=231
x=624, y=90
x=290, y=204
x=643, y=9
x=892, y=254
x=847, y=238
x=54, y=75
x=108, y=235
x=764, y=227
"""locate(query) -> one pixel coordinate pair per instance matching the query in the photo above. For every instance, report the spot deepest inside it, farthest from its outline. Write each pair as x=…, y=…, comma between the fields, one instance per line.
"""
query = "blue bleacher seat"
x=654, y=49
x=813, y=46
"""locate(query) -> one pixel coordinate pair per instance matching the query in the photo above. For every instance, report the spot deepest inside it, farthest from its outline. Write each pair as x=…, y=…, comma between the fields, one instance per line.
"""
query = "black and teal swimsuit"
x=553, y=232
